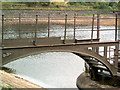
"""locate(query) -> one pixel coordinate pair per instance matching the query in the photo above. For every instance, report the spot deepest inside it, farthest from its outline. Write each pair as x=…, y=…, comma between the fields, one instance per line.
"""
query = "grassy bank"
x=55, y=8
x=100, y=6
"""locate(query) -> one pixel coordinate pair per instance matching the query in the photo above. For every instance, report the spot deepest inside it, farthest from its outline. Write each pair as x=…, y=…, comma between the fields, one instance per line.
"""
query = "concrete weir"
x=84, y=82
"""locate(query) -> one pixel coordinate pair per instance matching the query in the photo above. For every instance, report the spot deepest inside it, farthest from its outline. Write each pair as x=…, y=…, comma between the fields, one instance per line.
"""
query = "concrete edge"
x=84, y=81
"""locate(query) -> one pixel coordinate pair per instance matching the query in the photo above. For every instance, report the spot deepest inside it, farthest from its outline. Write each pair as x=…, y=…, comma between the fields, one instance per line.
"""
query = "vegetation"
x=5, y=87
x=63, y=5
x=9, y=70
x=98, y=5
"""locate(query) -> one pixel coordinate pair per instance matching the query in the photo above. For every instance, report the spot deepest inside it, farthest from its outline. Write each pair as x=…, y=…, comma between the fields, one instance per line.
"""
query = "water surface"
x=50, y=69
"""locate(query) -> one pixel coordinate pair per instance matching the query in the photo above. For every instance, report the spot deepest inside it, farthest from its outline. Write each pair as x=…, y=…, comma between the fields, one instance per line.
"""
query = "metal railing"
x=66, y=18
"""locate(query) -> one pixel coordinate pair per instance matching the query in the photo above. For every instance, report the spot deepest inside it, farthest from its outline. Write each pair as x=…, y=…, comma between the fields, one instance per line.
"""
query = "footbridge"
x=87, y=51
x=95, y=52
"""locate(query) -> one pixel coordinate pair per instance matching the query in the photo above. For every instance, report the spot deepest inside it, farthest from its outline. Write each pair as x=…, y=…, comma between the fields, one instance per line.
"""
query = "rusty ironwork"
x=65, y=28
x=98, y=25
x=92, y=27
x=48, y=25
x=74, y=24
x=98, y=30
x=19, y=24
x=116, y=28
x=105, y=52
x=2, y=30
x=36, y=27
x=29, y=46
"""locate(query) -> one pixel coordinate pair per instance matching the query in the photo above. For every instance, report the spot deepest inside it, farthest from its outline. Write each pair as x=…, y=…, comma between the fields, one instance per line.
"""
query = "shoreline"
x=16, y=82
x=83, y=18
x=81, y=22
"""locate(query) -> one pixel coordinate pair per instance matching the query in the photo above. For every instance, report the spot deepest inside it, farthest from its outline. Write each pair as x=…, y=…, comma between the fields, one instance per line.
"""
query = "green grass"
x=5, y=87
x=55, y=8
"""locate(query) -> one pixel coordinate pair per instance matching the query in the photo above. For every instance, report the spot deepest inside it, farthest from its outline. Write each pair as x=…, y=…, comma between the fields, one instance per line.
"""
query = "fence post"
x=36, y=27
x=92, y=28
x=2, y=30
x=19, y=24
x=74, y=25
x=116, y=28
x=48, y=25
x=65, y=28
x=98, y=25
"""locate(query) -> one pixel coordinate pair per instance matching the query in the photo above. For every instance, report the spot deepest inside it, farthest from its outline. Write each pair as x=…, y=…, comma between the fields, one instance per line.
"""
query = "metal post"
x=105, y=52
x=109, y=52
x=48, y=25
x=65, y=28
x=93, y=49
x=98, y=28
x=116, y=55
x=98, y=25
x=74, y=25
x=2, y=30
x=92, y=28
x=116, y=28
x=36, y=27
x=19, y=24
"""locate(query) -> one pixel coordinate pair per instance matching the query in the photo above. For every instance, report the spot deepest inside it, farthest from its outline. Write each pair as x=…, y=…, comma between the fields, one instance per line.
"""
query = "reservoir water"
x=53, y=69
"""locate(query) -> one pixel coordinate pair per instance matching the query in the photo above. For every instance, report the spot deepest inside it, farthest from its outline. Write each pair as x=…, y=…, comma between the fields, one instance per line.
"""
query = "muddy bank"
x=44, y=12
x=58, y=17
x=83, y=21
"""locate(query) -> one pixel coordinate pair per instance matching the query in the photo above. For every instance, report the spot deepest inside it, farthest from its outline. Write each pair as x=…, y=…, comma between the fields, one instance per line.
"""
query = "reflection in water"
x=53, y=69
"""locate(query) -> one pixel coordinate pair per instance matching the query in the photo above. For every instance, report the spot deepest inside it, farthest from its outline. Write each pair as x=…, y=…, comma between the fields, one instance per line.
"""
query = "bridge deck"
x=41, y=41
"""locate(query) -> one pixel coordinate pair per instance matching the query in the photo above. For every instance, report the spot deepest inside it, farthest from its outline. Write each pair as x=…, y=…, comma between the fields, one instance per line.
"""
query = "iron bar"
x=65, y=28
x=71, y=31
x=108, y=18
x=45, y=18
x=19, y=24
x=2, y=30
x=36, y=27
x=74, y=25
x=15, y=18
x=98, y=25
x=92, y=28
x=48, y=25
x=98, y=29
x=116, y=28
x=109, y=52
